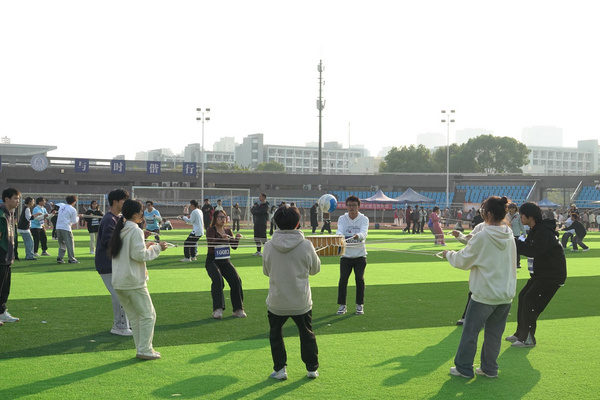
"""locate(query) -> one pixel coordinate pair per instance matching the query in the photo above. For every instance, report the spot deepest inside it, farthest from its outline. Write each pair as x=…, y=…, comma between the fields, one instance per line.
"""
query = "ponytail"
x=115, y=241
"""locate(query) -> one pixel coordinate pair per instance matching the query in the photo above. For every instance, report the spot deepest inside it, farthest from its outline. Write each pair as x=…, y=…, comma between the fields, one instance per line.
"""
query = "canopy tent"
x=379, y=198
x=410, y=196
x=547, y=203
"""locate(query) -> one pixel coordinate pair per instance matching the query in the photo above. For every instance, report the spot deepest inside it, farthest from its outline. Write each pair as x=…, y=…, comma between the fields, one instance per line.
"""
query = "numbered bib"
x=222, y=253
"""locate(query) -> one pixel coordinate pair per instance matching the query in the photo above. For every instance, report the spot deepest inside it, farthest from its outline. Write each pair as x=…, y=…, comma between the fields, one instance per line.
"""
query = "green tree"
x=458, y=160
x=272, y=166
x=407, y=159
x=493, y=154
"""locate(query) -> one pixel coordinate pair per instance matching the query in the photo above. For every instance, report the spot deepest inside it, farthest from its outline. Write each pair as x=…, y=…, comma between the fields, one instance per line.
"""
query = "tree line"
x=485, y=153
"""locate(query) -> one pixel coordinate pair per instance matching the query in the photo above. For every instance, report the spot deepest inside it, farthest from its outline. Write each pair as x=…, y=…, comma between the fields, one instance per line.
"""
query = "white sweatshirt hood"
x=500, y=236
x=284, y=240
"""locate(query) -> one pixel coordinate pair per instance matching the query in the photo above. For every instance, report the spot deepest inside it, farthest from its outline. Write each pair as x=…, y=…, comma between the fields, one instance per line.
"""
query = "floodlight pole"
x=202, y=118
x=447, y=121
x=320, y=107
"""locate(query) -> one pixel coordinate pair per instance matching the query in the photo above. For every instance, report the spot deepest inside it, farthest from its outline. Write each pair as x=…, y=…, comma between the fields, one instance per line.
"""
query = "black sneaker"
x=60, y=261
x=74, y=261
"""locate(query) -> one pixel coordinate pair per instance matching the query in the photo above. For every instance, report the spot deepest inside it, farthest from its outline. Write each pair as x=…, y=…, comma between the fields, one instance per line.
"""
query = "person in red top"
x=220, y=241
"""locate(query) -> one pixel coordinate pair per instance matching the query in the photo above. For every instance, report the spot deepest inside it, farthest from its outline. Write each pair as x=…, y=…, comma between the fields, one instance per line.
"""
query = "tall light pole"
x=447, y=119
x=320, y=107
x=203, y=117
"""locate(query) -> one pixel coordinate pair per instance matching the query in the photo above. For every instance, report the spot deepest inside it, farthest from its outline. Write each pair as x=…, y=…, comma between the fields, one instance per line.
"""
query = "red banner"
x=366, y=206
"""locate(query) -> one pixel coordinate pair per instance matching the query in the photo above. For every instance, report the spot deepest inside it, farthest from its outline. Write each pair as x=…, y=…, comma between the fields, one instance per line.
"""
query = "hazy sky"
x=99, y=79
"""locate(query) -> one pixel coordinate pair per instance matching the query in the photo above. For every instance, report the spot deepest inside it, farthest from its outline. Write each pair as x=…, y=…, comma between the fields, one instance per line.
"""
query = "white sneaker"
x=185, y=260
x=479, y=371
x=6, y=317
x=460, y=322
x=121, y=331
x=92, y=252
x=257, y=254
x=518, y=343
x=342, y=310
x=239, y=314
x=360, y=310
x=312, y=374
x=281, y=374
x=193, y=258
x=153, y=355
x=218, y=313
x=454, y=372
x=45, y=253
x=36, y=255
x=584, y=250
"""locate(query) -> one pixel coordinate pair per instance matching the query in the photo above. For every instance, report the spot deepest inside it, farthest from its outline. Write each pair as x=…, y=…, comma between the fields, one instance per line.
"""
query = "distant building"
x=365, y=165
x=297, y=159
x=384, y=151
x=19, y=150
x=193, y=153
x=432, y=140
x=542, y=136
x=225, y=145
x=581, y=160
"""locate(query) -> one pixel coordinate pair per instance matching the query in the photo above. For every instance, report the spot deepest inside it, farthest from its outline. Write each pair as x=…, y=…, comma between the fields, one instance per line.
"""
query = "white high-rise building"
x=542, y=136
x=432, y=140
x=226, y=144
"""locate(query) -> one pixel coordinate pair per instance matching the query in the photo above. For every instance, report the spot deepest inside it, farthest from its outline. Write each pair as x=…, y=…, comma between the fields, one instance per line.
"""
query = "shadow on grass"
x=515, y=379
x=197, y=386
x=81, y=324
x=210, y=384
x=260, y=341
x=423, y=363
x=37, y=387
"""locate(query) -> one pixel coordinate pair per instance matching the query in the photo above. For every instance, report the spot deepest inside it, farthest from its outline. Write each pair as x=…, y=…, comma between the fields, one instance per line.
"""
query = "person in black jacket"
x=260, y=216
x=92, y=220
x=314, y=217
x=580, y=233
x=548, y=272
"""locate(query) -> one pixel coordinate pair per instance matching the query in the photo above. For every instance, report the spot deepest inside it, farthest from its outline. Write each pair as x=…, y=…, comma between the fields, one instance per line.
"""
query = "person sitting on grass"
x=288, y=261
x=129, y=252
x=490, y=255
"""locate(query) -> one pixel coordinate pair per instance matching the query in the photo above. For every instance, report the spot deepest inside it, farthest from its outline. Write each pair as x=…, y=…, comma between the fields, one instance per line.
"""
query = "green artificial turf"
x=402, y=347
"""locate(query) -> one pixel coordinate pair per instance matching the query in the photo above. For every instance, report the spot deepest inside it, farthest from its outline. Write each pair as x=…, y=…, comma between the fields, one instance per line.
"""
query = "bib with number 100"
x=222, y=253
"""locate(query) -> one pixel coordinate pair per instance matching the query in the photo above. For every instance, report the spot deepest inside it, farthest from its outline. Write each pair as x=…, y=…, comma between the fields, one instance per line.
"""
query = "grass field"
x=402, y=348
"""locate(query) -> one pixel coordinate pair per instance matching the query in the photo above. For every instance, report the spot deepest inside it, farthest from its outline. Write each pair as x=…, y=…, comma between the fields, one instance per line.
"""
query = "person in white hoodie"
x=354, y=226
x=129, y=252
x=288, y=260
x=490, y=255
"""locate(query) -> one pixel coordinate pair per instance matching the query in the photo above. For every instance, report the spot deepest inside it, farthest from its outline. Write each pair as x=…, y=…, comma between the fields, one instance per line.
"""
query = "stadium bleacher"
x=587, y=197
x=478, y=193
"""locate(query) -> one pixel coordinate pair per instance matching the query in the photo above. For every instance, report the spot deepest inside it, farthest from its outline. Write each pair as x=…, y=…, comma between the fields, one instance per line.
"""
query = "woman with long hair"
x=490, y=256
x=129, y=252
x=218, y=265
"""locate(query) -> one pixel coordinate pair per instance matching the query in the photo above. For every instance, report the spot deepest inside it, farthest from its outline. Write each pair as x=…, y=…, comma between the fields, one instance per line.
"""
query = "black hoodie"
x=542, y=244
